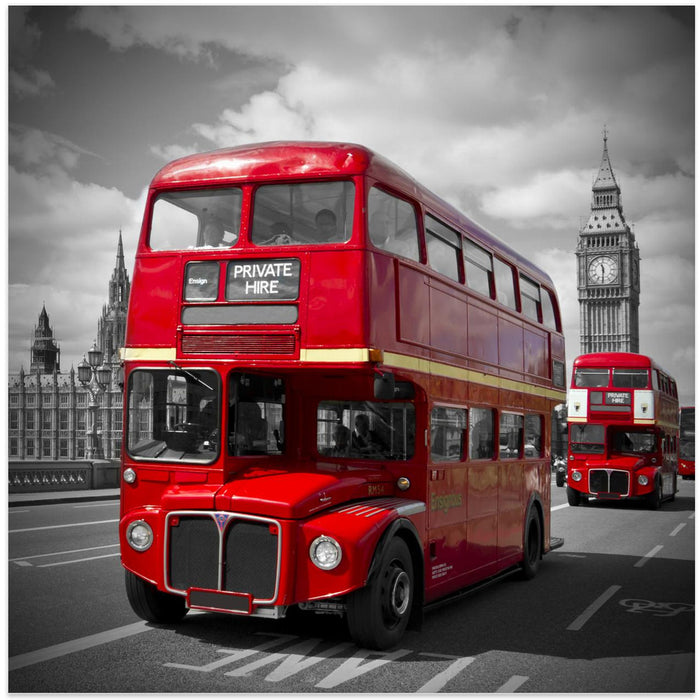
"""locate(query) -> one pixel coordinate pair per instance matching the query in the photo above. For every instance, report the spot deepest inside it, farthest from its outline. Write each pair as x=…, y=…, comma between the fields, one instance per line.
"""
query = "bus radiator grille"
x=238, y=344
x=247, y=550
x=604, y=481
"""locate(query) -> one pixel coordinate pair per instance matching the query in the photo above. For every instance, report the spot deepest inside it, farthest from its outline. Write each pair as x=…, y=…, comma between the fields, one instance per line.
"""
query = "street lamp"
x=95, y=376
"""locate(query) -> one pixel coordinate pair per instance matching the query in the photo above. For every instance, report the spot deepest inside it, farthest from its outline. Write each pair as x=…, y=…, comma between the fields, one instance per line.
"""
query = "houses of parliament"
x=49, y=411
x=48, y=416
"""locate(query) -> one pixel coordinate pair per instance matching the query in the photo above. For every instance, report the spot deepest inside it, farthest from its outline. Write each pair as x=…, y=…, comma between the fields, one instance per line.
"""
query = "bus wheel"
x=153, y=605
x=656, y=496
x=573, y=496
x=378, y=613
x=532, y=545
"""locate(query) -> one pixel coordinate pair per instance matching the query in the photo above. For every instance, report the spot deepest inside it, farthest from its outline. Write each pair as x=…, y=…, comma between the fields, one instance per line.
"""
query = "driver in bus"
x=364, y=439
x=326, y=225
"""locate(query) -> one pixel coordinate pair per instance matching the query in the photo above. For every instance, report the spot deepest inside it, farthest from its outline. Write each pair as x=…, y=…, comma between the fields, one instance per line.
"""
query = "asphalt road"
x=612, y=611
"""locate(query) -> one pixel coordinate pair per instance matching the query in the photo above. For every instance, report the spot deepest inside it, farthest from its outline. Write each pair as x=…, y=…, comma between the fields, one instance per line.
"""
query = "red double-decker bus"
x=686, y=463
x=337, y=393
x=623, y=429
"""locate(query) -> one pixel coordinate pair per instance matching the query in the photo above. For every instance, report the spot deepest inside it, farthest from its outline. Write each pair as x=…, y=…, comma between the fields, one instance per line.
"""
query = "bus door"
x=447, y=494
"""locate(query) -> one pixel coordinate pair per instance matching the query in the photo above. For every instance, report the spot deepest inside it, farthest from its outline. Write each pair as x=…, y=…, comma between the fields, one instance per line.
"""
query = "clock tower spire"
x=608, y=269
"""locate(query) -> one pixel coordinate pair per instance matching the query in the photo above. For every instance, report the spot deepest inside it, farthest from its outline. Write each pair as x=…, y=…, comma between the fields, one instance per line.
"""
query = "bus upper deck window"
x=444, y=249
x=505, y=289
x=306, y=213
x=198, y=219
x=591, y=378
x=630, y=378
x=392, y=224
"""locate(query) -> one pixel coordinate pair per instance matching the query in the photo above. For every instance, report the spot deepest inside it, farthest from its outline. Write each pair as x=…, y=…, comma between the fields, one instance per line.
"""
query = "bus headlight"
x=642, y=480
x=129, y=475
x=325, y=553
x=576, y=476
x=139, y=535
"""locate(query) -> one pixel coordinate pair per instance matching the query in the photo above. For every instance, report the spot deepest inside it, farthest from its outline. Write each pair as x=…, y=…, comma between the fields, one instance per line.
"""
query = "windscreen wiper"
x=189, y=374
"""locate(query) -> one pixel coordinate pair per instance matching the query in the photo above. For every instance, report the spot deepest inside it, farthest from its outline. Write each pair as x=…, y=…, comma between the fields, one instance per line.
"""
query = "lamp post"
x=95, y=376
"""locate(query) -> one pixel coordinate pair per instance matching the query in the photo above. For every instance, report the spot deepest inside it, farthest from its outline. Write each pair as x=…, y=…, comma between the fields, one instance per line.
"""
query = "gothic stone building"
x=48, y=409
x=608, y=270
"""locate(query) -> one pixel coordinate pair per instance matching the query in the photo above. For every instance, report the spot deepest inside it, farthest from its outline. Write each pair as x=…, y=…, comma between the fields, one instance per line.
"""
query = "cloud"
x=499, y=110
x=63, y=247
x=25, y=80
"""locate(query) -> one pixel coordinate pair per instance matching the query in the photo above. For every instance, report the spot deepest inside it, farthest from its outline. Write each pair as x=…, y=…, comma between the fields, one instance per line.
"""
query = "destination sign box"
x=267, y=279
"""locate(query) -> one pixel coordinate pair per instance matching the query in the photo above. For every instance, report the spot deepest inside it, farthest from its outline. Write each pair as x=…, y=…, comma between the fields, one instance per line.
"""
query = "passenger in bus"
x=341, y=437
x=213, y=234
x=326, y=225
x=364, y=439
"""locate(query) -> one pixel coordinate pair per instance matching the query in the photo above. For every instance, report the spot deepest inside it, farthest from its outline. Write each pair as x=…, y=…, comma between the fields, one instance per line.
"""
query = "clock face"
x=602, y=270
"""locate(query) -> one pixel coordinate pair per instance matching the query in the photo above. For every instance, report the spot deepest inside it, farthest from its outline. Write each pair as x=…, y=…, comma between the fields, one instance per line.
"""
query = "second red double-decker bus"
x=623, y=429
x=338, y=393
x=686, y=463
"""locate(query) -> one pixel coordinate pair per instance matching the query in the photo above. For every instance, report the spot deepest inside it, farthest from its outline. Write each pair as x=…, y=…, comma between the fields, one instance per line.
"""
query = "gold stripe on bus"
x=147, y=354
x=334, y=355
x=468, y=375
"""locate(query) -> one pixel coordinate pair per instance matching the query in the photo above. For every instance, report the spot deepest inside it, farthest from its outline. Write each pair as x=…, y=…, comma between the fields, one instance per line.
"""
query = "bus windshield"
x=633, y=441
x=589, y=378
x=365, y=429
x=588, y=438
x=315, y=212
x=173, y=415
x=198, y=219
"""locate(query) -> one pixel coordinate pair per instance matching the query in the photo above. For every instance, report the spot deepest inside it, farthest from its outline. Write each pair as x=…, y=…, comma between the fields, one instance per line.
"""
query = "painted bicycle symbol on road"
x=635, y=605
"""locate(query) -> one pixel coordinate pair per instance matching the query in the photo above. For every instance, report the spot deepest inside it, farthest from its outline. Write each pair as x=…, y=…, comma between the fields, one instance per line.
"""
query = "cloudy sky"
x=500, y=110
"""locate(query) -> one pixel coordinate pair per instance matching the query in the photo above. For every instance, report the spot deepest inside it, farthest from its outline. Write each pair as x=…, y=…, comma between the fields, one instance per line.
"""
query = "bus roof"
x=274, y=160
x=616, y=359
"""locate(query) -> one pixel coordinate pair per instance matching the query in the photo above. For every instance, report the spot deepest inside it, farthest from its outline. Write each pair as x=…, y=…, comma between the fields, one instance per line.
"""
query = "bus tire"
x=657, y=495
x=573, y=496
x=377, y=614
x=153, y=605
x=532, y=545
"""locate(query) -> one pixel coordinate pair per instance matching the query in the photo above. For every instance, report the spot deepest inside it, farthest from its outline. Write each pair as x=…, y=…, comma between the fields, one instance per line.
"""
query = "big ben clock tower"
x=608, y=270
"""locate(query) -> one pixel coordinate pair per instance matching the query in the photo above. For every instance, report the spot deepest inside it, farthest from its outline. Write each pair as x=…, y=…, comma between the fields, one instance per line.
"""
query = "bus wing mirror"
x=383, y=385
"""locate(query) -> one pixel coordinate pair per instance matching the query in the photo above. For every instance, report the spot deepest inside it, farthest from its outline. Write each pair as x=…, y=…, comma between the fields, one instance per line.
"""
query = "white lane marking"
x=93, y=640
x=593, y=608
x=648, y=556
x=98, y=505
x=76, y=561
x=65, y=551
x=677, y=529
x=12, y=511
x=438, y=682
x=512, y=684
x=563, y=505
x=55, y=527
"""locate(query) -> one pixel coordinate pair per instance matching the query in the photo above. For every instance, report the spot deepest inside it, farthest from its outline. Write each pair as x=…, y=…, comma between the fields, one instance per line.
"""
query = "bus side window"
x=447, y=426
x=505, y=289
x=478, y=268
x=481, y=433
x=533, y=435
x=549, y=317
x=530, y=298
x=444, y=248
x=392, y=224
